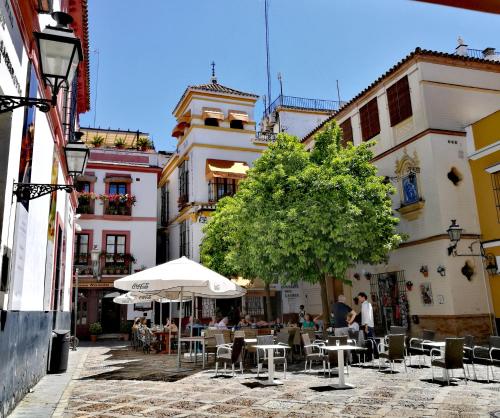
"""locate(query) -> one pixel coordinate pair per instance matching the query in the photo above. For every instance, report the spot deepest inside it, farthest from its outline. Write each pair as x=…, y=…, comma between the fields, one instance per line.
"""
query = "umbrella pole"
x=192, y=323
x=169, y=327
x=161, y=314
x=179, y=335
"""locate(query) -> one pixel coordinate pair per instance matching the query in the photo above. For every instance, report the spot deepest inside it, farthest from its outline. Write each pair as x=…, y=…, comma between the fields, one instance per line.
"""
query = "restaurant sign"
x=93, y=285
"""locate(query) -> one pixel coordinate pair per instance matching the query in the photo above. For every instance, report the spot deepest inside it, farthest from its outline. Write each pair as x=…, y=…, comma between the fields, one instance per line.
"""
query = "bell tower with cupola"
x=215, y=132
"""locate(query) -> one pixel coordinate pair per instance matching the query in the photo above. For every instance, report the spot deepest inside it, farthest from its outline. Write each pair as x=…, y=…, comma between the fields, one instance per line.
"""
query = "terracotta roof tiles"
x=417, y=52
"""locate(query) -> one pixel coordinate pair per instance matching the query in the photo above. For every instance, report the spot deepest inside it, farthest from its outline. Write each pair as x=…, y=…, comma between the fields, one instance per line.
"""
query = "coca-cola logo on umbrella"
x=140, y=286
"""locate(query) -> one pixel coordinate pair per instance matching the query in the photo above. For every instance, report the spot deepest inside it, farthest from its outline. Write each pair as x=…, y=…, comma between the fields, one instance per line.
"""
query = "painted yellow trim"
x=183, y=215
x=214, y=128
x=213, y=97
x=165, y=173
x=224, y=147
x=218, y=128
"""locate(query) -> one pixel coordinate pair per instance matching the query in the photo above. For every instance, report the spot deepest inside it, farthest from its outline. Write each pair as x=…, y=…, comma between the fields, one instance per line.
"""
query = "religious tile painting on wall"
x=426, y=293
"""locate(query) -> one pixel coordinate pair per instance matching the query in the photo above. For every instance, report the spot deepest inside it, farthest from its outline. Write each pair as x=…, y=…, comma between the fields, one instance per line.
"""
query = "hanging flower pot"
x=409, y=285
x=424, y=270
x=356, y=276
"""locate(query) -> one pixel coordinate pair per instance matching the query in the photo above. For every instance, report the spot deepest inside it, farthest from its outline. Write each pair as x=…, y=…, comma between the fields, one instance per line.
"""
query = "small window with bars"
x=183, y=184
x=82, y=249
x=399, y=101
x=370, y=124
x=347, y=135
x=184, y=239
x=495, y=177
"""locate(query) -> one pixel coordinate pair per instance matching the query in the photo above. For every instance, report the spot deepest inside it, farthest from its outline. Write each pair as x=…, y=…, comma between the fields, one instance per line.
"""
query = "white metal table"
x=197, y=340
x=340, y=353
x=270, y=361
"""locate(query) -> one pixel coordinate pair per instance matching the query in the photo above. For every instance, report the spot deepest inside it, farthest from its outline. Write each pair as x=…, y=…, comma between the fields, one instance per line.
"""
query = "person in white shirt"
x=367, y=324
x=223, y=323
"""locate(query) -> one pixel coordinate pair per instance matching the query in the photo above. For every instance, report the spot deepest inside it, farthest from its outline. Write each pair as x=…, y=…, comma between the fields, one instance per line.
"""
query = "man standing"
x=340, y=312
x=367, y=324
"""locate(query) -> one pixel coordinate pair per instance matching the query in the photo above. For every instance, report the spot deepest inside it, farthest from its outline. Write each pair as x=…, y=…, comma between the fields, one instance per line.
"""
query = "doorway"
x=389, y=301
x=110, y=316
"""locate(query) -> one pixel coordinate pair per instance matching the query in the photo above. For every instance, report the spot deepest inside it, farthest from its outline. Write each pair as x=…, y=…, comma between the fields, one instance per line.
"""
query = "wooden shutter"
x=346, y=127
x=398, y=98
x=370, y=124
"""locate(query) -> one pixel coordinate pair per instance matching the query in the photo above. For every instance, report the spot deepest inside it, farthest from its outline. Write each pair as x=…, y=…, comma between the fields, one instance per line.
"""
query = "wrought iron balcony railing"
x=265, y=137
x=304, y=103
x=479, y=53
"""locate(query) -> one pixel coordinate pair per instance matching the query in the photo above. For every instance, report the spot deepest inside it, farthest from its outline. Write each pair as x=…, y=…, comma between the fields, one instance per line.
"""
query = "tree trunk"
x=324, y=301
x=267, y=288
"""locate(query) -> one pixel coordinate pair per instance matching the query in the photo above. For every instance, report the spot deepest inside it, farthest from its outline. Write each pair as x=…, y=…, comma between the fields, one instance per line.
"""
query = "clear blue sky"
x=149, y=51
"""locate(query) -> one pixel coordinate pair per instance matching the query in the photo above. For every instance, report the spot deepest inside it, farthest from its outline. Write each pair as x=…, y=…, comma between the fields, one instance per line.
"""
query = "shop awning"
x=237, y=115
x=213, y=113
x=226, y=169
x=179, y=129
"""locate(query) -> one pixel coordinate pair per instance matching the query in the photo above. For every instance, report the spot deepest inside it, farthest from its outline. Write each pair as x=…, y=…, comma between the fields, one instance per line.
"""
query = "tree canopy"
x=303, y=215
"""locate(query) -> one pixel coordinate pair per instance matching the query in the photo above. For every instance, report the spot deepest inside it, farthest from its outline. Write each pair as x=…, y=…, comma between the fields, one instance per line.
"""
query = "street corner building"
x=435, y=119
x=217, y=142
x=42, y=93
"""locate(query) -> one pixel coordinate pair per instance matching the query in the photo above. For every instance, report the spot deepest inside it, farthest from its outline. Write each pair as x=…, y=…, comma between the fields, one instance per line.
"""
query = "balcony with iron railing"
x=83, y=263
x=304, y=103
x=116, y=264
x=488, y=53
x=265, y=137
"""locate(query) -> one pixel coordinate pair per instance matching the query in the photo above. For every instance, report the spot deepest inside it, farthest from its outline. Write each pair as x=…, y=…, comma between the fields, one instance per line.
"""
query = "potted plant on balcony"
x=120, y=143
x=97, y=141
x=143, y=143
x=126, y=329
x=95, y=329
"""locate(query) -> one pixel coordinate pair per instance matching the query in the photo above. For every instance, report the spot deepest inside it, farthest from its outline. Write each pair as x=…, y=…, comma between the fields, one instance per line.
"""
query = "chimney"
x=491, y=54
x=461, y=49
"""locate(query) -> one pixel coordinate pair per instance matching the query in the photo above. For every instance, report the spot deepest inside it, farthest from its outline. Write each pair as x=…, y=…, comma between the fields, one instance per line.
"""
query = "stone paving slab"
x=44, y=398
x=115, y=381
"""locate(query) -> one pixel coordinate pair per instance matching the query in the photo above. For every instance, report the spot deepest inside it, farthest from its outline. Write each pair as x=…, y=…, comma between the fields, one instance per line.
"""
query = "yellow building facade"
x=484, y=159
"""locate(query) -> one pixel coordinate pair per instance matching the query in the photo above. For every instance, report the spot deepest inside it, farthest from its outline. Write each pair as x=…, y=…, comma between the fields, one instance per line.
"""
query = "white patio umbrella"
x=183, y=277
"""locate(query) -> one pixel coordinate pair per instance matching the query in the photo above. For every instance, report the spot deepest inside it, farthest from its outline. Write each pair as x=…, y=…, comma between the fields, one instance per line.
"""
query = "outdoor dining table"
x=197, y=340
x=340, y=355
x=271, y=381
x=164, y=338
x=250, y=340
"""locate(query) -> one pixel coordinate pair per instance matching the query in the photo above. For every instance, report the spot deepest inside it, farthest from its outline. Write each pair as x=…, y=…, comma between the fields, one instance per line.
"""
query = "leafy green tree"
x=303, y=215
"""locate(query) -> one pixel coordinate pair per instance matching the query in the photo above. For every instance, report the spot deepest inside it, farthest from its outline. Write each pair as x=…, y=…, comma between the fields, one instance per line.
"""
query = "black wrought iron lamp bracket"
x=29, y=191
x=9, y=103
x=452, y=250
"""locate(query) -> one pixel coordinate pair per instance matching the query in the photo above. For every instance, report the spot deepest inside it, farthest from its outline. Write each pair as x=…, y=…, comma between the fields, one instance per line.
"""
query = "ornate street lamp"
x=59, y=53
x=76, y=153
x=455, y=233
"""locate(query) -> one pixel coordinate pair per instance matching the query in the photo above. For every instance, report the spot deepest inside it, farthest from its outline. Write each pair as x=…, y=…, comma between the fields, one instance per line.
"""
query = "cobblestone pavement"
x=116, y=381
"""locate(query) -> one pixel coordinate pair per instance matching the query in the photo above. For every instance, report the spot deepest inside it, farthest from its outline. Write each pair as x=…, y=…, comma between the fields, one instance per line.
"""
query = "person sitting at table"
x=170, y=326
x=245, y=322
x=213, y=322
x=319, y=322
x=308, y=324
x=277, y=325
x=223, y=323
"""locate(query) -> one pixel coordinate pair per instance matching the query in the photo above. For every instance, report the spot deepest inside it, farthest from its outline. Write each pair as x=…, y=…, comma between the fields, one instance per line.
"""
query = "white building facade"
x=118, y=222
x=417, y=112
x=36, y=234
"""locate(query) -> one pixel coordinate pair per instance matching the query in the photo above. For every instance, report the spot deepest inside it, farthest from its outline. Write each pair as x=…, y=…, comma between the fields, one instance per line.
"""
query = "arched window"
x=236, y=124
x=211, y=122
